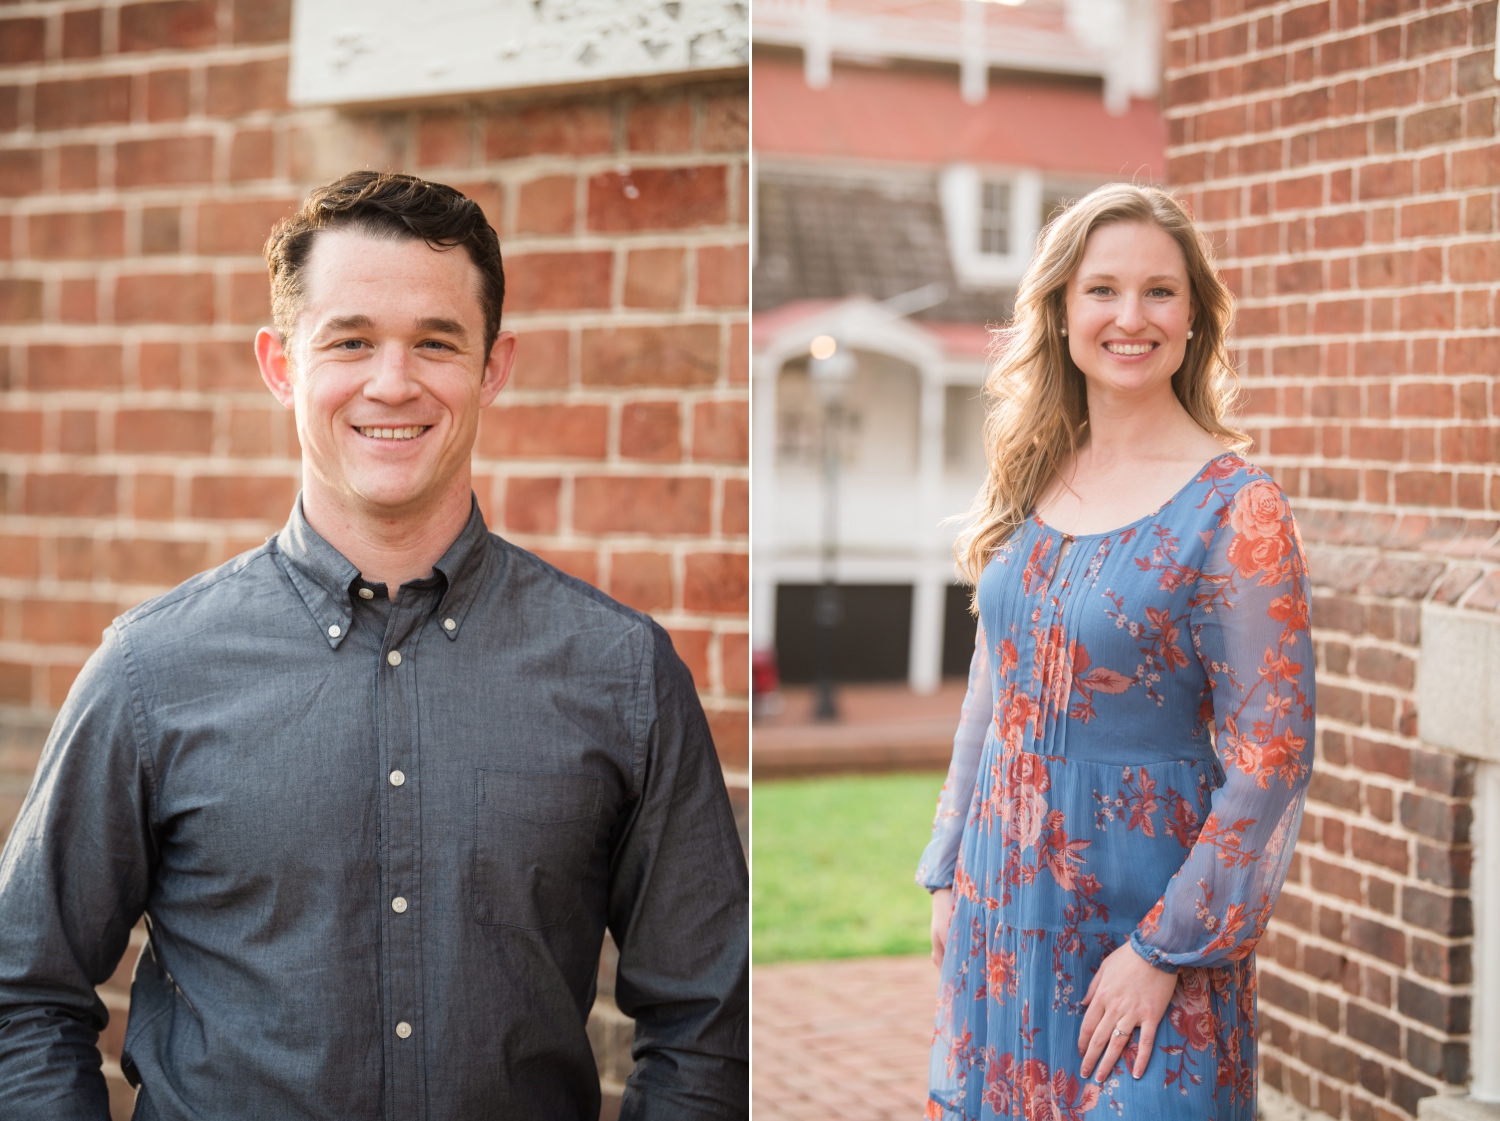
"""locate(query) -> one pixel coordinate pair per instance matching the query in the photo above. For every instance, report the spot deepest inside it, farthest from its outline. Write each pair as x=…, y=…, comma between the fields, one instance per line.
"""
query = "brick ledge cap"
x=1457, y=1109
x=1274, y=1105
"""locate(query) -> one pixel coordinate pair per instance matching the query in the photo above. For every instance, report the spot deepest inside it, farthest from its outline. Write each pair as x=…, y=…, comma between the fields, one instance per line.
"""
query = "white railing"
x=1118, y=40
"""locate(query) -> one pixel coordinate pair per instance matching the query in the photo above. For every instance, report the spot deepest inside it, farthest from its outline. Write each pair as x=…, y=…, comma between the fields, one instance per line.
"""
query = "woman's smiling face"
x=1129, y=309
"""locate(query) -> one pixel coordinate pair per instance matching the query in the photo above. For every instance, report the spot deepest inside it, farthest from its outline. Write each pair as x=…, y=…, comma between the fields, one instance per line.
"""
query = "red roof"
x=958, y=340
x=766, y=325
x=961, y=340
x=870, y=113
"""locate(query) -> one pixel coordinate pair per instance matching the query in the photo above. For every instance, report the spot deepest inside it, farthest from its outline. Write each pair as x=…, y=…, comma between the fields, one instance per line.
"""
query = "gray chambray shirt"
x=377, y=845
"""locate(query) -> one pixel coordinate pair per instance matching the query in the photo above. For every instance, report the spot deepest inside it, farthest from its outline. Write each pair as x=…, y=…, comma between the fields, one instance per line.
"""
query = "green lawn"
x=833, y=866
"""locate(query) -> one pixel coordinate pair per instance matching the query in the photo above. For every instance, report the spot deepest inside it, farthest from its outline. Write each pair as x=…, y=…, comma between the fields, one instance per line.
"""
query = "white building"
x=907, y=153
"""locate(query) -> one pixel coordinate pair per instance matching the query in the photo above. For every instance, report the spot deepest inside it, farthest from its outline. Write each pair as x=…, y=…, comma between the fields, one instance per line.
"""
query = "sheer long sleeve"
x=1250, y=630
x=941, y=855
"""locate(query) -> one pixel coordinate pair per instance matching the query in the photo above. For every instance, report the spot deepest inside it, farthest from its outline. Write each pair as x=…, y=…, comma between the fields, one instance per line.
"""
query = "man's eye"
x=349, y=344
x=435, y=344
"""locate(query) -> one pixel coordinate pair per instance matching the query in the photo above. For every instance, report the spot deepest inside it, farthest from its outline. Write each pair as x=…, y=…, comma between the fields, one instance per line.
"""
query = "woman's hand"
x=1127, y=993
x=942, y=912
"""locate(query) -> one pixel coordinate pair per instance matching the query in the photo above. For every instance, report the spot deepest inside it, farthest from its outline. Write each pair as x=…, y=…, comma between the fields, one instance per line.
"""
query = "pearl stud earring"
x=1190, y=332
x=1064, y=332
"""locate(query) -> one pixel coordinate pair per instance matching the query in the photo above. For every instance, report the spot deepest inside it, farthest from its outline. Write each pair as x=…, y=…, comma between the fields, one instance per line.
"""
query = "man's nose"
x=391, y=379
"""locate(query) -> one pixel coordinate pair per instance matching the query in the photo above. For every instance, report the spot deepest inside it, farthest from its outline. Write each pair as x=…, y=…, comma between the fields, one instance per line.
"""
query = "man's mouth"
x=1129, y=350
x=411, y=432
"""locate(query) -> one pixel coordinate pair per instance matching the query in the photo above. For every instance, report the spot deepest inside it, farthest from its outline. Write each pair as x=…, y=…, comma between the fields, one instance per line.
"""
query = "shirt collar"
x=463, y=566
x=325, y=578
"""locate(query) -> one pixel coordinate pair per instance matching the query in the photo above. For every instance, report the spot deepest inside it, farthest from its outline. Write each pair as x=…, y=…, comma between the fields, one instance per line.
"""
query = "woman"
x=1128, y=773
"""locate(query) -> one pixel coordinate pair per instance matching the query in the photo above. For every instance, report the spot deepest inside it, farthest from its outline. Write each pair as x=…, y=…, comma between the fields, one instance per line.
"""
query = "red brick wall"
x=1343, y=155
x=145, y=151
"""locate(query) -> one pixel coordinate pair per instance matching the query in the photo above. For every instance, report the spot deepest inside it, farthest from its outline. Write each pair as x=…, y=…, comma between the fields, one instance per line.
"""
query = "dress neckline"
x=1198, y=474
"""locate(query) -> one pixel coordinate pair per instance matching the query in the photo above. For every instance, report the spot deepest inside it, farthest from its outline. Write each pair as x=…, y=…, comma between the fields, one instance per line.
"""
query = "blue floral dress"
x=1130, y=766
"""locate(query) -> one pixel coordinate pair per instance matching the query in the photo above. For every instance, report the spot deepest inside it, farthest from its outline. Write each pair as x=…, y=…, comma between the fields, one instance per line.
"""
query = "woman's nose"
x=1131, y=316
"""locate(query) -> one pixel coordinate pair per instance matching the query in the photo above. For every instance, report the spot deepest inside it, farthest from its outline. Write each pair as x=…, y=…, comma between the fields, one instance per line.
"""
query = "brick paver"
x=880, y=728
x=842, y=1040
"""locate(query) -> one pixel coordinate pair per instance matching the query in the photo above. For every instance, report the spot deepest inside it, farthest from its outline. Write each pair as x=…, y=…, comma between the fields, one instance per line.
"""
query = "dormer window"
x=992, y=219
x=995, y=218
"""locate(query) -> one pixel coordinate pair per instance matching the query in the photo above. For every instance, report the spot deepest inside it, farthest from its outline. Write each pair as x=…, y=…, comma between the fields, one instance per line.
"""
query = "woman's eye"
x=1101, y=290
x=1161, y=293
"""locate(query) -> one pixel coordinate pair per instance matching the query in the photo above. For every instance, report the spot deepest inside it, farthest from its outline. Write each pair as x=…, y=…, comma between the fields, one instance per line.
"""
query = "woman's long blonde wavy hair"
x=1036, y=402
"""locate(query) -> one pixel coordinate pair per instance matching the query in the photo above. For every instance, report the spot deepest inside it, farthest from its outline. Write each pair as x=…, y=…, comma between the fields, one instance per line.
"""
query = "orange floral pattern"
x=1130, y=767
x=1262, y=539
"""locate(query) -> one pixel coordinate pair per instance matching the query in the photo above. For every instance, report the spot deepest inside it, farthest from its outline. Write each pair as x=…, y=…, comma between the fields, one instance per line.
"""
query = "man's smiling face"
x=387, y=372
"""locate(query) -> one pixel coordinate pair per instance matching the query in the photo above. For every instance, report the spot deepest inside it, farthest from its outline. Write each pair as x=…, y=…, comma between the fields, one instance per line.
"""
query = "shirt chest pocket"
x=533, y=835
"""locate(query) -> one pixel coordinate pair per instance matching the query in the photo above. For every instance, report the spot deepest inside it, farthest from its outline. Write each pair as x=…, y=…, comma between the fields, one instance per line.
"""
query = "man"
x=380, y=785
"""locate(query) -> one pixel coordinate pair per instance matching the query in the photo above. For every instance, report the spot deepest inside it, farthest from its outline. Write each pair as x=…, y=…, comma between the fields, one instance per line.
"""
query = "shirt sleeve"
x=1250, y=630
x=73, y=882
x=679, y=912
x=939, y=859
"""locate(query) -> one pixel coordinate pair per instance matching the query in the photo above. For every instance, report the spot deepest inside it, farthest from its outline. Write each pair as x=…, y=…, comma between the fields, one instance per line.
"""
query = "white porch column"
x=973, y=66
x=763, y=548
x=817, y=49
x=925, y=662
x=925, y=668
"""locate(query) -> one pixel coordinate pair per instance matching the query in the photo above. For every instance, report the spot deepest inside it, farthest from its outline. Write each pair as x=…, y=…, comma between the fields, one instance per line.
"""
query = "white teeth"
x=1129, y=348
x=408, y=433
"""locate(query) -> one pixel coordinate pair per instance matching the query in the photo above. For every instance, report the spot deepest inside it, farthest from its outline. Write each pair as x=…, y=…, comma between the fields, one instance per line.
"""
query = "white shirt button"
x=394, y=657
x=399, y=904
x=365, y=593
x=398, y=778
x=449, y=624
x=334, y=632
x=403, y=1029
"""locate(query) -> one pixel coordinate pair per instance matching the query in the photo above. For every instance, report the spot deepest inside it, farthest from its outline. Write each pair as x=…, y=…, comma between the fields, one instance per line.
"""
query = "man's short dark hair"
x=385, y=204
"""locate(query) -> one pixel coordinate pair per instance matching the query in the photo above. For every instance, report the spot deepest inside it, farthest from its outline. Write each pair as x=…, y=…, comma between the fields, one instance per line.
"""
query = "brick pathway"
x=880, y=728
x=842, y=1040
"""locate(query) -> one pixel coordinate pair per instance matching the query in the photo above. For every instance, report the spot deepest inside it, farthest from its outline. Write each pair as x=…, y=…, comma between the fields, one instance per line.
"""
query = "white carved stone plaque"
x=347, y=51
x=1458, y=681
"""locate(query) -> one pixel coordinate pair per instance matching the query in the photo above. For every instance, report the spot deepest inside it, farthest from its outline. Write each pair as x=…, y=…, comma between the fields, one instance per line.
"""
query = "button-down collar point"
x=394, y=657
x=449, y=624
x=398, y=778
x=334, y=631
x=403, y=1029
x=365, y=593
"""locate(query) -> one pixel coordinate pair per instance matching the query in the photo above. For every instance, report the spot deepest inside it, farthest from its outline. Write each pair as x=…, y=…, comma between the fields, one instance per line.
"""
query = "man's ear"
x=270, y=352
x=497, y=369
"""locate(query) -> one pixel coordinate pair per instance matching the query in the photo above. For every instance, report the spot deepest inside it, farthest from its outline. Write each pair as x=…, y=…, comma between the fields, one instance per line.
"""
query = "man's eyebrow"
x=442, y=326
x=346, y=323
x=436, y=323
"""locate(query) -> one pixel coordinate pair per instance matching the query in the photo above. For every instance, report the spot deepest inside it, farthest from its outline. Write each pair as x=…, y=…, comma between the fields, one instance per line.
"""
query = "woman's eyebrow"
x=1094, y=277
